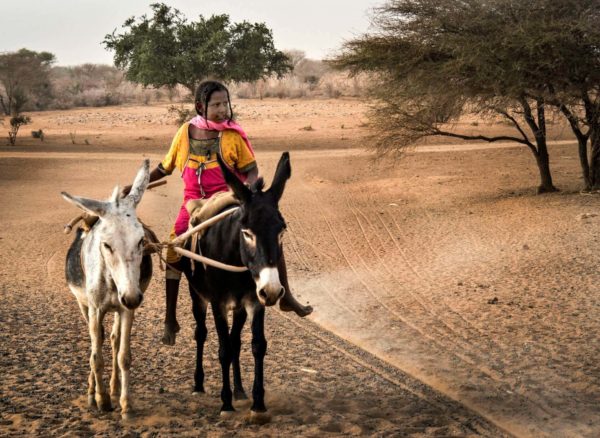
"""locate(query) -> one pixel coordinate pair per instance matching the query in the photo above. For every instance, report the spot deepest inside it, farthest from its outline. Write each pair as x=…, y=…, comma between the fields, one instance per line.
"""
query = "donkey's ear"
x=282, y=174
x=116, y=194
x=140, y=183
x=97, y=208
x=241, y=192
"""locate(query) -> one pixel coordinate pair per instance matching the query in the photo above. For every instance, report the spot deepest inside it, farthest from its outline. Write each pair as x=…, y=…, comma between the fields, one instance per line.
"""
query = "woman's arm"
x=252, y=176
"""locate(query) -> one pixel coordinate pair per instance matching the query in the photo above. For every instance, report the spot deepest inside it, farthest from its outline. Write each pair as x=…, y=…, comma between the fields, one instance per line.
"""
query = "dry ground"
x=450, y=300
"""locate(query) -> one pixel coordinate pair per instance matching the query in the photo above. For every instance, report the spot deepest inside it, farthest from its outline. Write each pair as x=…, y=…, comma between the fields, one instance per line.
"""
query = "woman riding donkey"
x=194, y=152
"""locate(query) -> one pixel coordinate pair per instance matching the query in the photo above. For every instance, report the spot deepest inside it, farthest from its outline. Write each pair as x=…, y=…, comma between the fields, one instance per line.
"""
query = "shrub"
x=181, y=113
x=15, y=123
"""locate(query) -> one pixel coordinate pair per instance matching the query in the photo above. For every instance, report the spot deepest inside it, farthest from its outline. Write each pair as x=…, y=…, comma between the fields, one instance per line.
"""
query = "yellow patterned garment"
x=201, y=174
x=234, y=151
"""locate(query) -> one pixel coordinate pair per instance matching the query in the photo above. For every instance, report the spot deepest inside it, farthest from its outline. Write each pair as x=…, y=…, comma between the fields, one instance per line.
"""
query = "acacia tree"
x=553, y=48
x=24, y=79
x=435, y=61
x=568, y=69
x=166, y=49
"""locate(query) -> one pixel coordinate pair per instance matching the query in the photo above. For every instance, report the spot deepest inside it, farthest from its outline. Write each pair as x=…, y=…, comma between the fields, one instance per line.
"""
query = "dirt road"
x=317, y=384
x=450, y=300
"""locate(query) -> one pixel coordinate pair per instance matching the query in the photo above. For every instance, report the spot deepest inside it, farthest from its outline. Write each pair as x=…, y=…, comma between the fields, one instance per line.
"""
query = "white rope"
x=207, y=261
x=180, y=240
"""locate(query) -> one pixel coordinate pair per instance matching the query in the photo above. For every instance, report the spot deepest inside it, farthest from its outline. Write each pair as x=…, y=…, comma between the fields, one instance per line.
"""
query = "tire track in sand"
x=396, y=377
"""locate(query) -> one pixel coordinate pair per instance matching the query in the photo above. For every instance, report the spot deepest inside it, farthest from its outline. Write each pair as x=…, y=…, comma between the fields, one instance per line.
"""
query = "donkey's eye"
x=249, y=236
x=141, y=242
x=107, y=246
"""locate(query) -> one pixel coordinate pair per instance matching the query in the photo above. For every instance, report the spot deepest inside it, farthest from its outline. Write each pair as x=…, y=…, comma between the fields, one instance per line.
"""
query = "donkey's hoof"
x=198, y=392
x=105, y=407
x=170, y=334
x=259, y=417
x=168, y=339
x=91, y=401
x=104, y=404
x=227, y=414
x=239, y=395
x=127, y=416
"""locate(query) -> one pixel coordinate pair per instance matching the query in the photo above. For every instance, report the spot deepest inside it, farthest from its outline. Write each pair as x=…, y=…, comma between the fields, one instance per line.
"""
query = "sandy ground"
x=450, y=300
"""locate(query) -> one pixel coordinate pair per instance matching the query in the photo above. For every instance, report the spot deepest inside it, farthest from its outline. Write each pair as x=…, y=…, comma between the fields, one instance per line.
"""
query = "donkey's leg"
x=199, y=310
x=91, y=389
x=96, y=360
x=115, y=337
x=84, y=311
x=239, y=319
x=259, y=349
x=91, y=378
x=124, y=360
x=225, y=355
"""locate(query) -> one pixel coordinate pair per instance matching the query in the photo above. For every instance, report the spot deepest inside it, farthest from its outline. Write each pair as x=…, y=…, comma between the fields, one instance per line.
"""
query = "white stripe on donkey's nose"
x=268, y=286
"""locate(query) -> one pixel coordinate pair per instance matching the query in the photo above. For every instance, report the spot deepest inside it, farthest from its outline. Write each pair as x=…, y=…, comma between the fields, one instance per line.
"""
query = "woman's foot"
x=288, y=304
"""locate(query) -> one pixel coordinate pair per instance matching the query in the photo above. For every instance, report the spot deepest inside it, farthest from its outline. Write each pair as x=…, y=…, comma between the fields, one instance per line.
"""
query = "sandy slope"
x=450, y=287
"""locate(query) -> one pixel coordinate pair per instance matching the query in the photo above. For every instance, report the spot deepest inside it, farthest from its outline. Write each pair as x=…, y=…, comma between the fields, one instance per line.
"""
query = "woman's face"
x=218, y=107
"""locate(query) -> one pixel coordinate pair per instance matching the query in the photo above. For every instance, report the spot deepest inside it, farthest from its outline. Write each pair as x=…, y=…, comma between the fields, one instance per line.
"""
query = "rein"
x=158, y=247
x=180, y=240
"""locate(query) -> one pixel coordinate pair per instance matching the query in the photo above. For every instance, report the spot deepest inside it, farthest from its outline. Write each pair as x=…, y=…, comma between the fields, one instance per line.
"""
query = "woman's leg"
x=288, y=302
x=172, y=292
x=173, y=278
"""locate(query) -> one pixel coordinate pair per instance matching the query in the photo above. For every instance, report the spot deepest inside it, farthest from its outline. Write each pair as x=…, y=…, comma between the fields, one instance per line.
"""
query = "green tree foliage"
x=24, y=80
x=435, y=61
x=166, y=49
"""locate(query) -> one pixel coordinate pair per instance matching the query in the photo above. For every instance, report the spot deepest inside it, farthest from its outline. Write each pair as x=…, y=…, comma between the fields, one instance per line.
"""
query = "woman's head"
x=212, y=101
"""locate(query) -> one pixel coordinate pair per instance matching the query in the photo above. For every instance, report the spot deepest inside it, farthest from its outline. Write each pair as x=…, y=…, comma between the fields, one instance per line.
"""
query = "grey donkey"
x=107, y=272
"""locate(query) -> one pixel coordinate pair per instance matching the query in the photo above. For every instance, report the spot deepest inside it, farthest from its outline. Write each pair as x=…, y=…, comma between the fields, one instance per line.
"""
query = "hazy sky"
x=73, y=29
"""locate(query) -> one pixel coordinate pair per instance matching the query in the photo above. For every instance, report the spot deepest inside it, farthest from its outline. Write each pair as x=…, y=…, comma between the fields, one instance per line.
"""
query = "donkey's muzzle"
x=268, y=286
x=132, y=301
x=269, y=299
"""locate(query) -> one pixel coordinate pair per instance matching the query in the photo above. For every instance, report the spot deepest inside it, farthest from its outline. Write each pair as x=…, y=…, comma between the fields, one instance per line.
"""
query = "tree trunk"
x=594, y=167
x=541, y=154
x=543, y=161
x=582, y=140
x=584, y=162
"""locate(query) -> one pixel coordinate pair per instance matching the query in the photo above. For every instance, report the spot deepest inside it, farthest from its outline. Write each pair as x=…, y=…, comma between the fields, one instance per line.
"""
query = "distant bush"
x=309, y=78
x=15, y=123
x=97, y=85
x=180, y=113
